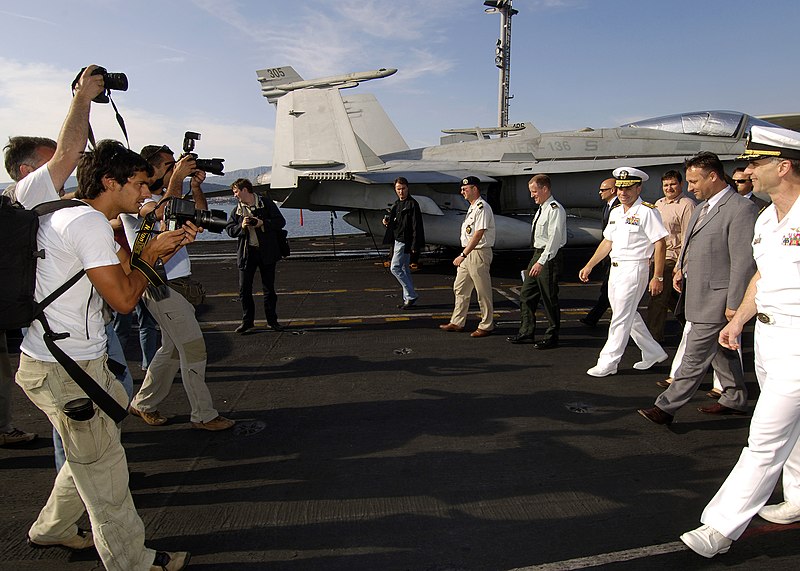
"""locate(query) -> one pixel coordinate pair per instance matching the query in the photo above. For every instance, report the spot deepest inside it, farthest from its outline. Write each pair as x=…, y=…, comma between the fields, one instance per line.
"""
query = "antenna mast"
x=503, y=56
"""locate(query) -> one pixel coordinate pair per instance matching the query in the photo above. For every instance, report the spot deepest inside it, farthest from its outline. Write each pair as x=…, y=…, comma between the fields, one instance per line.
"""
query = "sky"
x=192, y=64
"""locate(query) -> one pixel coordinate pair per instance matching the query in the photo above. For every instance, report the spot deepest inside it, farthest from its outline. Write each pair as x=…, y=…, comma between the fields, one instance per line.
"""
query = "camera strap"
x=120, y=121
x=156, y=276
x=92, y=389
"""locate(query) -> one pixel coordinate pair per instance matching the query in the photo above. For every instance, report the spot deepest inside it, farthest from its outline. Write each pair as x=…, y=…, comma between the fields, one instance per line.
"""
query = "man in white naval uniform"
x=477, y=240
x=634, y=234
x=774, y=297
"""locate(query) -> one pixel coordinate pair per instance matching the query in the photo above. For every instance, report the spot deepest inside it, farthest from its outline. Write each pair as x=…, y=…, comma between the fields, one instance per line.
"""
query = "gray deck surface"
x=367, y=439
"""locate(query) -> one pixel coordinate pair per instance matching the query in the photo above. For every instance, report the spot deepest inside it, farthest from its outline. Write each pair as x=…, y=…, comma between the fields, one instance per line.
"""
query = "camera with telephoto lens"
x=115, y=81
x=214, y=166
x=180, y=210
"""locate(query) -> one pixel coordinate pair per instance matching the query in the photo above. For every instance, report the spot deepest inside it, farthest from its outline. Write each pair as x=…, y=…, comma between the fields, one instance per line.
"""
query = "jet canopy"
x=706, y=123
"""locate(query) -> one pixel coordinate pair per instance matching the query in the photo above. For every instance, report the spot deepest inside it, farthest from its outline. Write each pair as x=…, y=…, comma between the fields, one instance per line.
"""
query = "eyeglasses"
x=741, y=180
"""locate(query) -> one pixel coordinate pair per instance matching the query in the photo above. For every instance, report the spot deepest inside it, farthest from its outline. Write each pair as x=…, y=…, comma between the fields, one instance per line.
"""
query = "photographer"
x=111, y=180
x=255, y=222
x=39, y=167
x=180, y=332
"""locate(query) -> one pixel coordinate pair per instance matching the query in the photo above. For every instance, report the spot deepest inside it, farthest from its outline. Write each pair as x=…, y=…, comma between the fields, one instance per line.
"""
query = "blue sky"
x=575, y=63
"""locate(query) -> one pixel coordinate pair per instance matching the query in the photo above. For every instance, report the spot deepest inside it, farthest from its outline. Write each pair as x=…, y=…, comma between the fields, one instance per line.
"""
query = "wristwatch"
x=463, y=255
x=659, y=278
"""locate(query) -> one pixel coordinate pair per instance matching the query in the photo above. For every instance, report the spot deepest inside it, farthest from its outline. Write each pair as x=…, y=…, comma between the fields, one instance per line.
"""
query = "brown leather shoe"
x=719, y=409
x=215, y=424
x=656, y=415
x=714, y=394
x=151, y=417
x=665, y=383
x=451, y=327
x=481, y=332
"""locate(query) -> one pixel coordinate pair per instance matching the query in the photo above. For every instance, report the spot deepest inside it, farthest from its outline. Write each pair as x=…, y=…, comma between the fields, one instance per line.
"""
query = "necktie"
x=606, y=214
x=533, y=226
x=702, y=216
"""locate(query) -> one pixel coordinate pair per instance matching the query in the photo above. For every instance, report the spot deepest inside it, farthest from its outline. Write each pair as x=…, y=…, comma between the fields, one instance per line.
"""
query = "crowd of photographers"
x=146, y=266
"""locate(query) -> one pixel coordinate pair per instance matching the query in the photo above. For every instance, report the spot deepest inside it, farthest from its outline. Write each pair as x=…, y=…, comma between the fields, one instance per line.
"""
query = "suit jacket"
x=717, y=258
x=761, y=204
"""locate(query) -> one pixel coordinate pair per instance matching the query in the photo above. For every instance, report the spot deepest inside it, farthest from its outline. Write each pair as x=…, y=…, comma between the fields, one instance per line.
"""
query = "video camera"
x=117, y=81
x=180, y=210
x=214, y=166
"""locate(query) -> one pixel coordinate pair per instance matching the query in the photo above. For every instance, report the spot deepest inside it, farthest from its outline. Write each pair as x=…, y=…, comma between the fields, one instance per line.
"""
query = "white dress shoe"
x=706, y=541
x=598, y=371
x=645, y=364
x=780, y=513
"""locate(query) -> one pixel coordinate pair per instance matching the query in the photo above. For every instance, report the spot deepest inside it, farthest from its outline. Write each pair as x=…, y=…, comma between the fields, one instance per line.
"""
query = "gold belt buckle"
x=764, y=318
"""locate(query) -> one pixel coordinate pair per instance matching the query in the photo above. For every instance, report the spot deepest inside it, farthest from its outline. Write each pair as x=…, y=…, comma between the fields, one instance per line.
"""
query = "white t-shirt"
x=178, y=265
x=72, y=239
x=36, y=188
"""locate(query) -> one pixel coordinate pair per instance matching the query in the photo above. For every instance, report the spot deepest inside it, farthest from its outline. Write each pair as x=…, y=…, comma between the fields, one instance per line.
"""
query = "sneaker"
x=215, y=424
x=151, y=417
x=78, y=542
x=599, y=371
x=780, y=513
x=706, y=541
x=175, y=561
x=15, y=436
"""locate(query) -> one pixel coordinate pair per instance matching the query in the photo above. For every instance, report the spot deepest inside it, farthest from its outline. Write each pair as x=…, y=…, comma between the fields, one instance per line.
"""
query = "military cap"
x=474, y=180
x=764, y=142
x=628, y=176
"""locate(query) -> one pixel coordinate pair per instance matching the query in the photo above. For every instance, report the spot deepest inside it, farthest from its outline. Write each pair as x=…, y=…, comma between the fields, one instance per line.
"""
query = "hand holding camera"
x=89, y=84
x=93, y=77
x=251, y=221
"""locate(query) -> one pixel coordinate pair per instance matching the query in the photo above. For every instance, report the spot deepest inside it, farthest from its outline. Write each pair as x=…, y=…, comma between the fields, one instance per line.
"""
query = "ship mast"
x=503, y=57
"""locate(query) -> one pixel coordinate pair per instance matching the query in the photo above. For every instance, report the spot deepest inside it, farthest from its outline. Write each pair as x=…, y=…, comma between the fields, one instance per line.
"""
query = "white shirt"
x=776, y=248
x=479, y=217
x=633, y=233
x=36, y=188
x=72, y=239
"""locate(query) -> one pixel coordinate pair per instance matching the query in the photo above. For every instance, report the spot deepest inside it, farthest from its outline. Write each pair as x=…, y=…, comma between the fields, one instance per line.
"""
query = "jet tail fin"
x=322, y=135
x=272, y=77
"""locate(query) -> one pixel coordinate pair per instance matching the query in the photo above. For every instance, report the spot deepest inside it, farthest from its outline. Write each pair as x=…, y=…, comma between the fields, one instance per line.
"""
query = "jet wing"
x=418, y=177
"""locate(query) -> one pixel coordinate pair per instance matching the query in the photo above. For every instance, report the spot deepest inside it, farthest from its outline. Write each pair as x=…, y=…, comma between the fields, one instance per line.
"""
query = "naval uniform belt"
x=778, y=319
x=616, y=263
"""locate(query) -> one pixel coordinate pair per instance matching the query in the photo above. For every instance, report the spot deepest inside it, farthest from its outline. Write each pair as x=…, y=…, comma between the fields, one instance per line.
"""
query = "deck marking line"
x=606, y=558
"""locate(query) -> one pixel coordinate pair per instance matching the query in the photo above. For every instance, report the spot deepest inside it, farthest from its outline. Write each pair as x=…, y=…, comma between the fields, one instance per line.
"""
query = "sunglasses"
x=741, y=180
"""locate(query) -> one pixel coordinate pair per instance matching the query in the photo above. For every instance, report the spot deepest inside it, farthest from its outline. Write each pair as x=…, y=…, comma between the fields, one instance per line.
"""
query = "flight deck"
x=368, y=439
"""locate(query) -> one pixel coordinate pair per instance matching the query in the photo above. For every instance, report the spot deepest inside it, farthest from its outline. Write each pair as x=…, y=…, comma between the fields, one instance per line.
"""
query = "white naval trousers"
x=627, y=281
x=473, y=273
x=772, y=445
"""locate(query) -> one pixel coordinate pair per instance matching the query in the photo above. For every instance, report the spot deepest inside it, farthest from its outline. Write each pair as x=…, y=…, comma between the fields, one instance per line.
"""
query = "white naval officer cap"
x=764, y=142
x=628, y=176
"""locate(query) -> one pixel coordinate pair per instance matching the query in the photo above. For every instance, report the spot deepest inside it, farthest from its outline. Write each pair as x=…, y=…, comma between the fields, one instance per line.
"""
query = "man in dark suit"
x=712, y=274
x=608, y=194
x=744, y=186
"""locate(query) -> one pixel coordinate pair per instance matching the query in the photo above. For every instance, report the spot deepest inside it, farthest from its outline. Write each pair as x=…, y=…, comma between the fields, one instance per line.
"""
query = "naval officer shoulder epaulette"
x=554, y=205
x=480, y=205
x=648, y=204
x=617, y=204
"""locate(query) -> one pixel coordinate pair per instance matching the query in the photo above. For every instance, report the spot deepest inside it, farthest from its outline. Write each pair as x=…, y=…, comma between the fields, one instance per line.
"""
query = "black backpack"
x=18, y=256
x=19, y=251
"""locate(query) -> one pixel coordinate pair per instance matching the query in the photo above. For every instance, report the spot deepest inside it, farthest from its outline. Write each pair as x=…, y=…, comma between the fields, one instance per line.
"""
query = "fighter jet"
x=341, y=152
